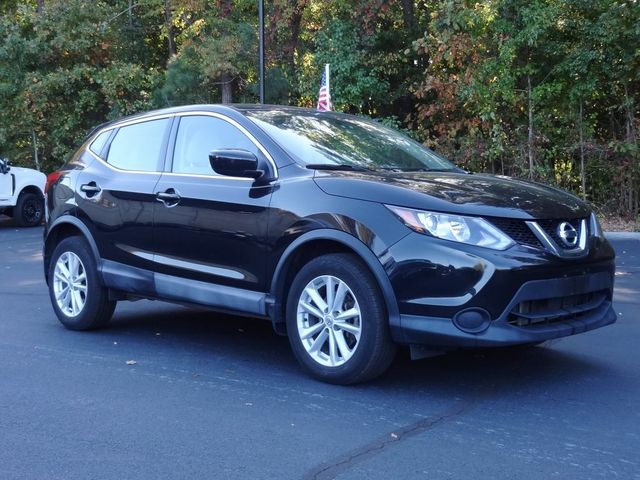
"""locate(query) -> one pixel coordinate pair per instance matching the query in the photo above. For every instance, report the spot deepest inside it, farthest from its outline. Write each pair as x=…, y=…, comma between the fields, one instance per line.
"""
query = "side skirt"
x=137, y=281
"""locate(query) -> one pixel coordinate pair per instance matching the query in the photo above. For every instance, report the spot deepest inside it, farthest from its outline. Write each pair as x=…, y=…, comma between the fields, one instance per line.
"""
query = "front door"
x=210, y=228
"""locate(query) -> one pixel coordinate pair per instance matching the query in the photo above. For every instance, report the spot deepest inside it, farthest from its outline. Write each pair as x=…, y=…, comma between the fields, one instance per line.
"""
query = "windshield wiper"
x=333, y=166
x=422, y=169
x=419, y=169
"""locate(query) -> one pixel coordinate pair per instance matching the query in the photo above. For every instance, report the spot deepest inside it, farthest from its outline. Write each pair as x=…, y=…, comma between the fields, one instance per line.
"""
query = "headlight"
x=596, y=229
x=470, y=230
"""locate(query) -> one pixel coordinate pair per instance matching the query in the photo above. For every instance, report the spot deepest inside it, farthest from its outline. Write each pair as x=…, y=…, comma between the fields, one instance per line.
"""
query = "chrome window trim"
x=193, y=113
x=124, y=124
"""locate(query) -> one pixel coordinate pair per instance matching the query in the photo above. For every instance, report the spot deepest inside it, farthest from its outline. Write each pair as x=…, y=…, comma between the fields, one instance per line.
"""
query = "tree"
x=543, y=89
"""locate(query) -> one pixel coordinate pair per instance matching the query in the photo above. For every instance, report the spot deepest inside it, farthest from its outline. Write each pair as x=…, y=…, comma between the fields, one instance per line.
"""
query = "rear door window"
x=139, y=146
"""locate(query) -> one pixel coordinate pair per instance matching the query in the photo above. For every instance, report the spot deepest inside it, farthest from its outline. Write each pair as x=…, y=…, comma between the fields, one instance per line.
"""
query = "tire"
x=88, y=306
x=353, y=350
x=29, y=210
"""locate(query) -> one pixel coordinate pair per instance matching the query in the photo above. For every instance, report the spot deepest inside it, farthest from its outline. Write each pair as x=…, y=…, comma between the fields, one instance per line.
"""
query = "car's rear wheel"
x=29, y=210
x=80, y=302
x=337, y=322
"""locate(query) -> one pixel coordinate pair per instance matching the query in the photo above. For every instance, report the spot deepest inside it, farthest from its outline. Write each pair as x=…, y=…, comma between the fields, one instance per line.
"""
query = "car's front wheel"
x=337, y=322
x=78, y=299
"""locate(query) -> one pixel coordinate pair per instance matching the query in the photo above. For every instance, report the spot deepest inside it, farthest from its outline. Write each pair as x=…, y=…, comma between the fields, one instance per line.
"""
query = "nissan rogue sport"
x=348, y=236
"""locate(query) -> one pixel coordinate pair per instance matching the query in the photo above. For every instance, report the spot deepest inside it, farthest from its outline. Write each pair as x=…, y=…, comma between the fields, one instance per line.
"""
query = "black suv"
x=348, y=236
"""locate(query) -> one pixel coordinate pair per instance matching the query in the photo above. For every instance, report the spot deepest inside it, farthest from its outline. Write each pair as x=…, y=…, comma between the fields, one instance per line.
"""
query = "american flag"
x=324, y=96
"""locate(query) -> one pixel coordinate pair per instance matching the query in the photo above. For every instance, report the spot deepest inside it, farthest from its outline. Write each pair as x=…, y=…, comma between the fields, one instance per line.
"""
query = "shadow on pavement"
x=253, y=343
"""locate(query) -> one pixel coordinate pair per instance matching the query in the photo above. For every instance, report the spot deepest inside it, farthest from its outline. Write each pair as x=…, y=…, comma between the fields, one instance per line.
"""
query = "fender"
x=25, y=178
x=84, y=230
x=365, y=254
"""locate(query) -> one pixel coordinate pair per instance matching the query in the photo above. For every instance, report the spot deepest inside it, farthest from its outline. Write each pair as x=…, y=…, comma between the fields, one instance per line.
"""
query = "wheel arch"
x=319, y=242
x=30, y=189
x=64, y=227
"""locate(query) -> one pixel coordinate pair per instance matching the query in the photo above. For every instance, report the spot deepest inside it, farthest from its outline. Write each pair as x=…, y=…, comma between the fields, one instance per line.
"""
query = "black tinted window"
x=98, y=143
x=138, y=147
x=198, y=135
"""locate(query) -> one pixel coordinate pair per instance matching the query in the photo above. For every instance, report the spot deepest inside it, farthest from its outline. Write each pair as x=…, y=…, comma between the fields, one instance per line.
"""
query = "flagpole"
x=261, y=48
x=326, y=73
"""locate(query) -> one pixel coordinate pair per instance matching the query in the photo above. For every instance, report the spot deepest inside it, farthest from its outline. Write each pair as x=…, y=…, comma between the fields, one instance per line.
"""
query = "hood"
x=28, y=176
x=461, y=193
x=25, y=171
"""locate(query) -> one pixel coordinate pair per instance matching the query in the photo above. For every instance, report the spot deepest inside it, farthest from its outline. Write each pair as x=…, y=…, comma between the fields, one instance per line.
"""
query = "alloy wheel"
x=70, y=284
x=329, y=321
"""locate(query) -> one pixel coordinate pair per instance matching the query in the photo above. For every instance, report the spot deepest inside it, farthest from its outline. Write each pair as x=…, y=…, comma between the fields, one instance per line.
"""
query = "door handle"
x=169, y=197
x=90, y=189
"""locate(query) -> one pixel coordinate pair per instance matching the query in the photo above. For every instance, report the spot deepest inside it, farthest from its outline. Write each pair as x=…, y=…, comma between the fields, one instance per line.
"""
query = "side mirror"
x=235, y=163
x=4, y=166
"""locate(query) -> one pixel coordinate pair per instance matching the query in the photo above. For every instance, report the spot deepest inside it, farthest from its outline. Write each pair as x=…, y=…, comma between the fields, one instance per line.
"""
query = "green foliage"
x=61, y=76
x=533, y=88
x=581, y=61
x=355, y=76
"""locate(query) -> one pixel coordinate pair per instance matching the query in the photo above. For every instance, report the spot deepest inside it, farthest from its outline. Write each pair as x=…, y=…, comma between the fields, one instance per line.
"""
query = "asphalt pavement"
x=170, y=392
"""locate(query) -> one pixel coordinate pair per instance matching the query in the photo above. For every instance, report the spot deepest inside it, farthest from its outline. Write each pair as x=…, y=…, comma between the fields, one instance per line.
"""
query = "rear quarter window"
x=98, y=143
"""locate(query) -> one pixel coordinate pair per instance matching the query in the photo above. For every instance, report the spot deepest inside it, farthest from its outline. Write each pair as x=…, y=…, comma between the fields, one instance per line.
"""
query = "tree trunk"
x=630, y=126
x=530, y=137
x=630, y=121
x=34, y=141
x=583, y=181
x=227, y=88
x=224, y=7
x=408, y=14
x=296, y=21
x=168, y=19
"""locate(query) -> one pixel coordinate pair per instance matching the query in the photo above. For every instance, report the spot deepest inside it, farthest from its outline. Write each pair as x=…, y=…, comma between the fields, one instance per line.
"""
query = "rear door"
x=214, y=229
x=115, y=195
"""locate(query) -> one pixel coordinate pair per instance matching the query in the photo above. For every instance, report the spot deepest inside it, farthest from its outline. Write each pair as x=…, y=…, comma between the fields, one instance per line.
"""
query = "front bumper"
x=525, y=296
x=440, y=332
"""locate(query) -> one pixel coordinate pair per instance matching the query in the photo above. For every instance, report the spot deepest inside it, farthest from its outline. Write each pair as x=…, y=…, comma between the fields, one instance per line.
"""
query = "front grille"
x=551, y=228
x=517, y=230
x=532, y=313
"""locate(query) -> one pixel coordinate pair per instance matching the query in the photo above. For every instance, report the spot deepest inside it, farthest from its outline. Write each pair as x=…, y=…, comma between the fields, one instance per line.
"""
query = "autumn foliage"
x=541, y=89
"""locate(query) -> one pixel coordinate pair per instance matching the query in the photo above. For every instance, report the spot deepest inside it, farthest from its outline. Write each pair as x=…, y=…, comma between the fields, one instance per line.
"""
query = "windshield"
x=317, y=139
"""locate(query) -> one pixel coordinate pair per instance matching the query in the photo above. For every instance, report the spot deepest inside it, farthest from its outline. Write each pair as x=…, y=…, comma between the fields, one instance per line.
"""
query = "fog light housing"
x=472, y=320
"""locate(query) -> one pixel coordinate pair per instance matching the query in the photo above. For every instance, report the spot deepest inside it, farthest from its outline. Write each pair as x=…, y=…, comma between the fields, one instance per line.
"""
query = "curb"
x=622, y=235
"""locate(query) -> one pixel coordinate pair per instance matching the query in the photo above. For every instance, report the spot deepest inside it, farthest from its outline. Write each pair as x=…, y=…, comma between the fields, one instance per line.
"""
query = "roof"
x=241, y=108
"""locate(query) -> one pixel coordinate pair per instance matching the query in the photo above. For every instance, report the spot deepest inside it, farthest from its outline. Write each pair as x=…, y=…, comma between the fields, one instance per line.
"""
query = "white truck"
x=22, y=194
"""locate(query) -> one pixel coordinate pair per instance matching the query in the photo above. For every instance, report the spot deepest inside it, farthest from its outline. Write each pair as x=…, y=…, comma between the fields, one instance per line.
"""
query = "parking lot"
x=174, y=392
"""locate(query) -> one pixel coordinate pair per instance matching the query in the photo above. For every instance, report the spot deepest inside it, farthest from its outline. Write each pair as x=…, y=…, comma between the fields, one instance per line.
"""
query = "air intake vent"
x=547, y=311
